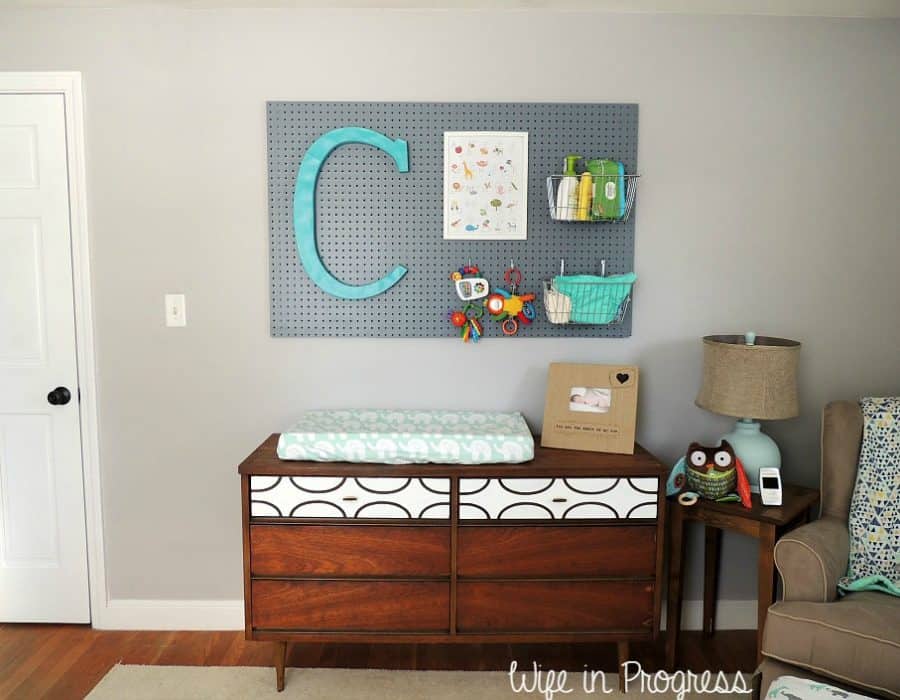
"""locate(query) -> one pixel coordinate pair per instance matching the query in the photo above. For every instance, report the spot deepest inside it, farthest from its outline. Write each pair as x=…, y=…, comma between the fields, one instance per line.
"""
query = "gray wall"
x=770, y=153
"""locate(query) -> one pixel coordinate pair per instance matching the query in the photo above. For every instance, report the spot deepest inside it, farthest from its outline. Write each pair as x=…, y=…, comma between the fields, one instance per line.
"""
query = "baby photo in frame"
x=591, y=407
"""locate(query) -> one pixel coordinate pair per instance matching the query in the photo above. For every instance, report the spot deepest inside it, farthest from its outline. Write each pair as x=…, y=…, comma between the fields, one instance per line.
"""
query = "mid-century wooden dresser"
x=565, y=548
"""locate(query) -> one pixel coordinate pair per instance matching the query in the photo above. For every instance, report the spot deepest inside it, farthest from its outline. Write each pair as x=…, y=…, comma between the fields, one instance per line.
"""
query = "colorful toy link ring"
x=688, y=498
x=513, y=277
x=510, y=326
x=528, y=311
x=473, y=311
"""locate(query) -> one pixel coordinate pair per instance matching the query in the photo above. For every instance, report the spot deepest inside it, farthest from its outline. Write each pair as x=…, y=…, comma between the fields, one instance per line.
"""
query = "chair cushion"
x=855, y=639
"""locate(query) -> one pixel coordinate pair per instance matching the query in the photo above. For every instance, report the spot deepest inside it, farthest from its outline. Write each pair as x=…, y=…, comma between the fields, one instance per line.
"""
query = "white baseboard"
x=127, y=614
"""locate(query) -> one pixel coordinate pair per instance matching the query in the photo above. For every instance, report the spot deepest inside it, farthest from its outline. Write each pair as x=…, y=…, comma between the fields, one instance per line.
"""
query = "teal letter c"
x=305, y=209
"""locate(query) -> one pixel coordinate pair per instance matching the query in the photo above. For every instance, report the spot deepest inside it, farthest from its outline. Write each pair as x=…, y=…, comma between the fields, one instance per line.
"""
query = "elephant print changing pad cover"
x=408, y=437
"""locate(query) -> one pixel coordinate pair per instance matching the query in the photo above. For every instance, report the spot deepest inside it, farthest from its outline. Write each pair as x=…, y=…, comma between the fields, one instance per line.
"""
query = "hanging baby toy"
x=469, y=286
x=509, y=307
x=469, y=322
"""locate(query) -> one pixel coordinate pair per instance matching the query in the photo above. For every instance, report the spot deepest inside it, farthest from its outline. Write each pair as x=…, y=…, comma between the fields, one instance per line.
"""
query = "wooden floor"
x=66, y=661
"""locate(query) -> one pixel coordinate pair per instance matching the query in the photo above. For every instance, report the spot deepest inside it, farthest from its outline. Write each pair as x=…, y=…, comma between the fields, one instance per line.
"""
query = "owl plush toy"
x=714, y=473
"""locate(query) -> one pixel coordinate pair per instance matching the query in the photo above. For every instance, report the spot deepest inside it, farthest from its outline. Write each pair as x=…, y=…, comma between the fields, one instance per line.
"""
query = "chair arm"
x=812, y=558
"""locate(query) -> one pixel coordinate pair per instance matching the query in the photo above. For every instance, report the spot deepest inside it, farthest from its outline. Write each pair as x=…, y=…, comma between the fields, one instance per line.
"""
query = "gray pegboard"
x=370, y=217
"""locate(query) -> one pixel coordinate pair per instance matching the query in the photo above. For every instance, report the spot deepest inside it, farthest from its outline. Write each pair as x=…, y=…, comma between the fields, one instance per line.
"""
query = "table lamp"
x=750, y=379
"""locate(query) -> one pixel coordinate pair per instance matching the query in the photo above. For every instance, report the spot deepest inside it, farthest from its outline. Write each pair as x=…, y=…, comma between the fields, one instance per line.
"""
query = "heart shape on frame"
x=623, y=377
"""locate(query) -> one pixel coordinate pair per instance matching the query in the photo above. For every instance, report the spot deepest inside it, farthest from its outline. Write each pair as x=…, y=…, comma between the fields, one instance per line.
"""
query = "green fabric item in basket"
x=595, y=299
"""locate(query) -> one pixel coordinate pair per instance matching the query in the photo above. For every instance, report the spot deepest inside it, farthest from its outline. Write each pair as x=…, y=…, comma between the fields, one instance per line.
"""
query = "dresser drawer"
x=348, y=606
x=556, y=551
x=554, y=606
x=347, y=497
x=349, y=550
x=558, y=498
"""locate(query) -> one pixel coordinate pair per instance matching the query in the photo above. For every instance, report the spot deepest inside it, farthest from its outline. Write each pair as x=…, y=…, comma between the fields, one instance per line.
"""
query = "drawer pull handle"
x=560, y=500
x=350, y=498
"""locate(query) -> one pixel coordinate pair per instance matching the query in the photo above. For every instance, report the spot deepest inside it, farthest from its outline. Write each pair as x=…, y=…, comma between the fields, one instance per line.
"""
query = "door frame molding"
x=68, y=84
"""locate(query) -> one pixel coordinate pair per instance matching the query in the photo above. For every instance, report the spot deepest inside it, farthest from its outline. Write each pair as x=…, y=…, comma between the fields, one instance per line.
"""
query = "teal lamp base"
x=754, y=448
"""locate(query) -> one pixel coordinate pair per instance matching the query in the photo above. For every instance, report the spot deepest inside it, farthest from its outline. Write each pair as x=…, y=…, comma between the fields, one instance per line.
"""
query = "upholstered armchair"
x=853, y=640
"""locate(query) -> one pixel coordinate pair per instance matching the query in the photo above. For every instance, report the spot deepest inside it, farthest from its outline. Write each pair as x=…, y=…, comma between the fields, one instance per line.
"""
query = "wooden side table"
x=762, y=522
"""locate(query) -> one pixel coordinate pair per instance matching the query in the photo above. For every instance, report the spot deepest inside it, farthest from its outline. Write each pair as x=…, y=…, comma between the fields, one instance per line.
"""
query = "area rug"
x=233, y=683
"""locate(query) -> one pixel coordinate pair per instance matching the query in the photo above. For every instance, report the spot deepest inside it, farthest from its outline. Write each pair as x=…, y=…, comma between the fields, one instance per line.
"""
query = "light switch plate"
x=176, y=312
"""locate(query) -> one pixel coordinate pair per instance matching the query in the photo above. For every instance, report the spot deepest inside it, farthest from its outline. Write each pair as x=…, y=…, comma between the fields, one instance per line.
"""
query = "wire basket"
x=597, y=302
x=616, y=206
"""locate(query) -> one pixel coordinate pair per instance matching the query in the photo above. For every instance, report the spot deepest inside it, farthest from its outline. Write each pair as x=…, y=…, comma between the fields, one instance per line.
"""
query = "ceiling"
x=812, y=8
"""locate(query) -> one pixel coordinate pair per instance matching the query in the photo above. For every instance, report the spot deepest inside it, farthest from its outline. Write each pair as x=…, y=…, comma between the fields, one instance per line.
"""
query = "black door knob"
x=60, y=396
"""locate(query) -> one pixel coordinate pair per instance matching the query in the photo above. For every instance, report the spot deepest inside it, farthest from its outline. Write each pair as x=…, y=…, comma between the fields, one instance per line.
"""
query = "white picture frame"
x=486, y=185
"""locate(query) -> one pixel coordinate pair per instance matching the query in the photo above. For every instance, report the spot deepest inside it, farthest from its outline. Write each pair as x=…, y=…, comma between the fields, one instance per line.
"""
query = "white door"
x=43, y=551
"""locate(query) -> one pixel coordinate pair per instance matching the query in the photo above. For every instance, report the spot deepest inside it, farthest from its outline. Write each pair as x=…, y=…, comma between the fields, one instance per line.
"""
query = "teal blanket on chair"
x=875, y=507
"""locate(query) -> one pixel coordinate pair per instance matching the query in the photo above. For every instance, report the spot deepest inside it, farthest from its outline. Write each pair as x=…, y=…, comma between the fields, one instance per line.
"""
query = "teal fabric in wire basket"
x=595, y=299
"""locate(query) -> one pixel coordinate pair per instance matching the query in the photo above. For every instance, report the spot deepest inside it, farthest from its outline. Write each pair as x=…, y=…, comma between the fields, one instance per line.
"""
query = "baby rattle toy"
x=509, y=307
x=709, y=472
x=468, y=284
x=469, y=322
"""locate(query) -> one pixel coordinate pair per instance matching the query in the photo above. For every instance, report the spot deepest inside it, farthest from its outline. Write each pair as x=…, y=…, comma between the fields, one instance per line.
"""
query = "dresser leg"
x=623, y=657
x=280, y=658
x=676, y=559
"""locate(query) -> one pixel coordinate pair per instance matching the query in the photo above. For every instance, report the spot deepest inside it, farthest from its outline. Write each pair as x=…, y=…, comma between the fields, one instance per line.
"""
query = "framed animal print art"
x=485, y=185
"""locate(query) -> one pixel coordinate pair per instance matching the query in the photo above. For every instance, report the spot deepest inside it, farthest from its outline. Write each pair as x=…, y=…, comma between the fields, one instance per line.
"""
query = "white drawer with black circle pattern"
x=347, y=497
x=558, y=498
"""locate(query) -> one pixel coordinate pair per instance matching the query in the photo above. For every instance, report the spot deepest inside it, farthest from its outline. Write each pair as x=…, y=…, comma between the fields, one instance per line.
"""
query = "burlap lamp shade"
x=750, y=378
x=749, y=381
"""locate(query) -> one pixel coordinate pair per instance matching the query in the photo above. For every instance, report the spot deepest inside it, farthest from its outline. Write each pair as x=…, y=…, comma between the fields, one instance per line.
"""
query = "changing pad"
x=404, y=437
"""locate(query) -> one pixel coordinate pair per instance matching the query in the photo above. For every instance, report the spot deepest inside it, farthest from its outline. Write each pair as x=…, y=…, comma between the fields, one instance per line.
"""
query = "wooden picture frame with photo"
x=591, y=407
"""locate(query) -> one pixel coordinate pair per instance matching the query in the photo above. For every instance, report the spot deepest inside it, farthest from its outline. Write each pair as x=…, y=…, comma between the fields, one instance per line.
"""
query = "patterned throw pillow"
x=875, y=508
x=793, y=688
